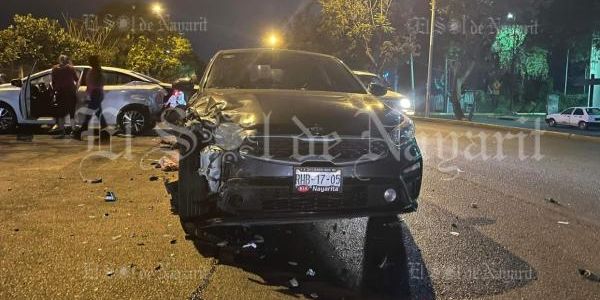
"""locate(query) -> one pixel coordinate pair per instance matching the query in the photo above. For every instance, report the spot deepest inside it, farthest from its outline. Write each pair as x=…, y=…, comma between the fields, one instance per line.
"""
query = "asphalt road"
x=484, y=228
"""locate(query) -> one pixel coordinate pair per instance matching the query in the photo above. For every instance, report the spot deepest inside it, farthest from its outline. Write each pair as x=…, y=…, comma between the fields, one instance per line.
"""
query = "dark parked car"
x=280, y=136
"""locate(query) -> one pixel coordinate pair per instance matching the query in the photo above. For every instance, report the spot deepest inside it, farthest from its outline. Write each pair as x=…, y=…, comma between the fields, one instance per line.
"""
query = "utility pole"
x=430, y=62
x=412, y=78
x=567, y=70
x=446, y=85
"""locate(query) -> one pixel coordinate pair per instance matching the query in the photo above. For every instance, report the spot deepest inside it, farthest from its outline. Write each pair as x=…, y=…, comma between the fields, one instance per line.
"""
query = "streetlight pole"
x=429, y=64
x=511, y=17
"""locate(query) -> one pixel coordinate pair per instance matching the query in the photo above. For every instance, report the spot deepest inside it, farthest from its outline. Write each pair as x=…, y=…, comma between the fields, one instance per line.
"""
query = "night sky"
x=231, y=23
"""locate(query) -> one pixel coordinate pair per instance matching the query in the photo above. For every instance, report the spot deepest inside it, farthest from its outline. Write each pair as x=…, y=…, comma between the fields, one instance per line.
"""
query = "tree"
x=469, y=50
x=31, y=40
x=163, y=57
x=366, y=25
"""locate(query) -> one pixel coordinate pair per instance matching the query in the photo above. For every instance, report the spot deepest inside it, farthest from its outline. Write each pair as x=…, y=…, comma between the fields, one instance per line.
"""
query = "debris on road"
x=157, y=267
x=153, y=178
x=110, y=273
x=250, y=245
x=292, y=263
x=294, y=283
x=454, y=233
x=474, y=205
x=222, y=244
x=110, y=197
x=589, y=275
x=116, y=237
x=551, y=200
x=94, y=181
x=314, y=295
x=563, y=222
x=168, y=165
x=311, y=273
x=454, y=225
x=173, y=241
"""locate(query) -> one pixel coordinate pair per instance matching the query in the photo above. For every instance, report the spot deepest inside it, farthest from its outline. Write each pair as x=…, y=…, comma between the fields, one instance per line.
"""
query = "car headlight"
x=405, y=103
x=403, y=133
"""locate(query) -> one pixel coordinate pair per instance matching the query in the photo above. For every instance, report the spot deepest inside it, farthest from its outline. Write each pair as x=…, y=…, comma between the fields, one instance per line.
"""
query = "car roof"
x=246, y=50
x=364, y=73
x=113, y=69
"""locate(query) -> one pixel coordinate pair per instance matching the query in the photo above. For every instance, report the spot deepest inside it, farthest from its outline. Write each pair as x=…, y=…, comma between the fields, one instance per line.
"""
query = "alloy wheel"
x=7, y=119
x=133, y=121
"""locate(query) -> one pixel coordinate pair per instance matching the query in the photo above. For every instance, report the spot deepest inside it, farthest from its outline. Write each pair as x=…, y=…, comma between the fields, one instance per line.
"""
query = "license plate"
x=319, y=180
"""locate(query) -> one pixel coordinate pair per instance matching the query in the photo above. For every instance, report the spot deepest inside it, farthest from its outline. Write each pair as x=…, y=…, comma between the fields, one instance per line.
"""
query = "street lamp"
x=511, y=18
x=273, y=40
x=157, y=8
x=430, y=60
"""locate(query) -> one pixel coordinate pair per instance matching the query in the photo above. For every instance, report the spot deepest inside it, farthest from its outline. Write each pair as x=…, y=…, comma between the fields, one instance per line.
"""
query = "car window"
x=45, y=79
x=568, y=111
x=116, y=78
x=593, y=111
x=578, y=112
x=281, y=70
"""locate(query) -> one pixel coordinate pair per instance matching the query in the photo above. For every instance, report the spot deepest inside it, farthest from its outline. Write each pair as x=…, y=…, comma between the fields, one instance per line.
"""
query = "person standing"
x=95, y=91
x=64, y=83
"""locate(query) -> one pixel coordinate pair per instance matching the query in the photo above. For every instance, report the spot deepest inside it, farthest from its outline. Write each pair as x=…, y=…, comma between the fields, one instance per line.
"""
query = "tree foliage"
x=366, y=24
x=32, y=39
x=161, y=57
x=509, y=44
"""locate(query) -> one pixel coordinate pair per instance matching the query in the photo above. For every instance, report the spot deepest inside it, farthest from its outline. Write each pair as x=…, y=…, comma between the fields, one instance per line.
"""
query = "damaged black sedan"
x=281, y=136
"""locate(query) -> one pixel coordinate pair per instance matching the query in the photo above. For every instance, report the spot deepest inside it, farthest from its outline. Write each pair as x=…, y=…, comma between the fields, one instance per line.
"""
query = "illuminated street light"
x=510, y=16
x=157, y=8
x=273, y=40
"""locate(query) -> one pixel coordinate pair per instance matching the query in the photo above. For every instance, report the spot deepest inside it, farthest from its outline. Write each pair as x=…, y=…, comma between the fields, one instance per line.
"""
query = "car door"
x=39, y=95
x=565, y=117
x=577, y=116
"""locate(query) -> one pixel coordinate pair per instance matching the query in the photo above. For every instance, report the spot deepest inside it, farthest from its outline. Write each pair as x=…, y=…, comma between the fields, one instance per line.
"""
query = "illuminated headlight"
x=405, y=103
x=403, y=133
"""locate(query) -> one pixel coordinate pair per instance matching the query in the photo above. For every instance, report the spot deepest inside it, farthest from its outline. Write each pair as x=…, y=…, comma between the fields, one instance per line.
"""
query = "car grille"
x=285, y=202
x=339, y=151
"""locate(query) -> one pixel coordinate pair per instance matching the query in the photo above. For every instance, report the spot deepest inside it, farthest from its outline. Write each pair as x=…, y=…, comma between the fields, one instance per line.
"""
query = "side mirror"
x=377, y=90
x=16, y=82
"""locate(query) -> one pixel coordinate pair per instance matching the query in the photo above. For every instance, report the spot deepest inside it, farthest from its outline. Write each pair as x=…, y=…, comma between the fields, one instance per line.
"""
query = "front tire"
x=583, y=125
x=134, y=121
x=192, y=199
x=8, y=119
x=552, y=123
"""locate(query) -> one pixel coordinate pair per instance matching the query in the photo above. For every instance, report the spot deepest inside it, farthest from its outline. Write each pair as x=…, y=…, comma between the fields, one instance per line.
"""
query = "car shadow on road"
x=349, y=259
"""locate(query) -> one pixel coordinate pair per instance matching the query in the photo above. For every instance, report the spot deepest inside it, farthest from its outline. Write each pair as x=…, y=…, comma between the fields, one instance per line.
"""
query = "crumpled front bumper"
x=259, y=191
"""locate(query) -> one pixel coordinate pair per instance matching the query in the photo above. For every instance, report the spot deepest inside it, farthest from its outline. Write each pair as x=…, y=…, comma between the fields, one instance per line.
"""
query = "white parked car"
x=582, y=117
x=131, y=100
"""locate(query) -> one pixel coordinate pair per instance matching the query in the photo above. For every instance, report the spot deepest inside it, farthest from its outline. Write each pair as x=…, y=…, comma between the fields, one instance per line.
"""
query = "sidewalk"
x=523, y=121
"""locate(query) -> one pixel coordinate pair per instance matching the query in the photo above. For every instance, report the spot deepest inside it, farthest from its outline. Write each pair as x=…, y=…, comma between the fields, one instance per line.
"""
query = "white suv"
x=582, y=117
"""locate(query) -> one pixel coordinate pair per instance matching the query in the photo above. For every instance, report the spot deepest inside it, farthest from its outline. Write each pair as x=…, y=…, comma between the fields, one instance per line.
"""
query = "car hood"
x=294, y=112
x=8, y=86
x=391, y=95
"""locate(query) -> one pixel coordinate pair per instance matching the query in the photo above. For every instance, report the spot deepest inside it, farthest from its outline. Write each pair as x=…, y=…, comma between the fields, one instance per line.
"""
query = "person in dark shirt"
x=95, y=91
x=64, y=83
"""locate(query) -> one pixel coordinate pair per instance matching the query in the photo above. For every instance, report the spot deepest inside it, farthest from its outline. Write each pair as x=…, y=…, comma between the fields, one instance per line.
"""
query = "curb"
x=585, y=138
